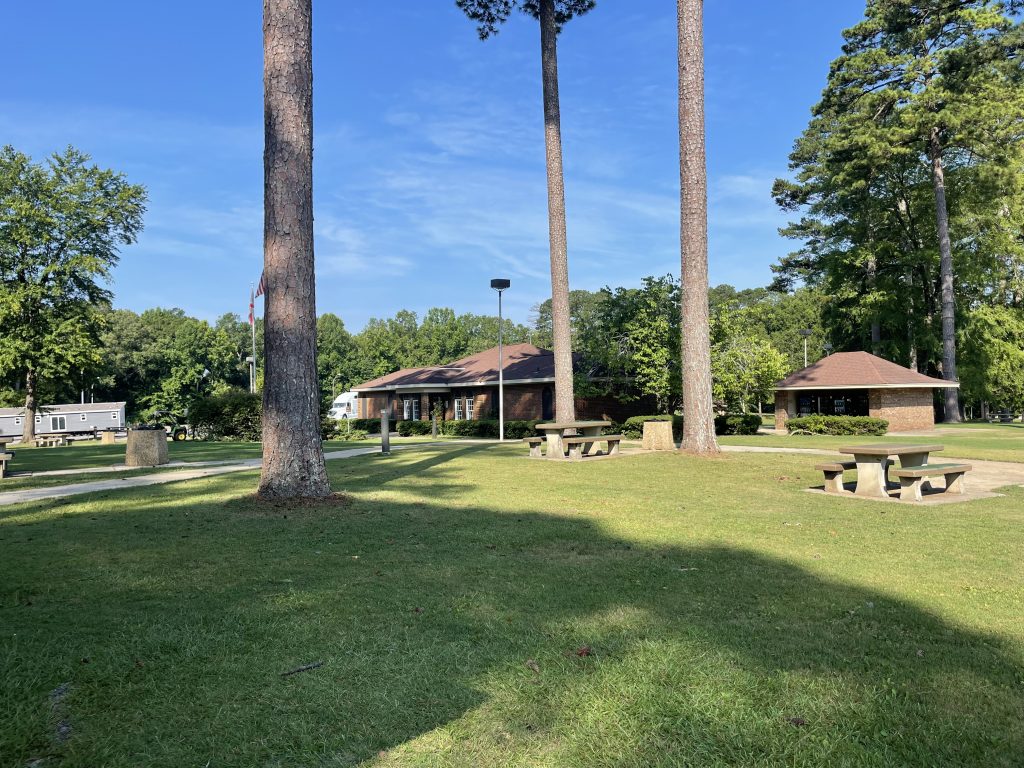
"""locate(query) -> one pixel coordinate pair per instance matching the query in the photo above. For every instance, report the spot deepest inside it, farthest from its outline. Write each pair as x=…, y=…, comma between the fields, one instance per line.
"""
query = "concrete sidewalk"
x=191, y=471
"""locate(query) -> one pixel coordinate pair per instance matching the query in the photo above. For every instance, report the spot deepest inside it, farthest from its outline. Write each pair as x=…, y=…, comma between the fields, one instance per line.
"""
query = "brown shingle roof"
x=522, y=362
x=857, y=370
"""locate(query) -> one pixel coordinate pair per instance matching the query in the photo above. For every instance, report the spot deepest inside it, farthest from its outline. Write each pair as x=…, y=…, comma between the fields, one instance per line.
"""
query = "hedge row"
x=817, y=424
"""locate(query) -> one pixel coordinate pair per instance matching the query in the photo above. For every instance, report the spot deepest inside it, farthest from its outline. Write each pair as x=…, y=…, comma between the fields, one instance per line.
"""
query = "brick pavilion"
x=468, y=389
x=860, y=384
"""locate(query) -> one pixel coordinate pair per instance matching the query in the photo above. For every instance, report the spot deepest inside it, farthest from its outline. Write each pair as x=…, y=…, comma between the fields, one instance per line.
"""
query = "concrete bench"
x=578, y=446
x=912, y=478
x=834, y=473
x=534, y=443
x=57, y=441
x=4, y=458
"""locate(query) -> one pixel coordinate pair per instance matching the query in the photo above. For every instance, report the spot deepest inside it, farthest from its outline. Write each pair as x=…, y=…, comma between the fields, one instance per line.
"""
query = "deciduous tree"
x=61, y=227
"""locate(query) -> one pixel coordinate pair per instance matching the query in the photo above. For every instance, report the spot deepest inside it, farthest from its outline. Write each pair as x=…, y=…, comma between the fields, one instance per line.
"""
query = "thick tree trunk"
x=293, y=459
x=698, y=414
x=565, y=407
x=28, y=431
x=952, y=395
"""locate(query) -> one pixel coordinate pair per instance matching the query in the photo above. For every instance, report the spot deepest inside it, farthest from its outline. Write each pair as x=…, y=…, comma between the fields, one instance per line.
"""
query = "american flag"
x=262, y=287
x=252, y=308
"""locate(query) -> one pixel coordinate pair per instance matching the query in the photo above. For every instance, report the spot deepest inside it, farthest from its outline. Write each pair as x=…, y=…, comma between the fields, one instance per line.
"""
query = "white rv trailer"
x=344, y=406
x=72, y=419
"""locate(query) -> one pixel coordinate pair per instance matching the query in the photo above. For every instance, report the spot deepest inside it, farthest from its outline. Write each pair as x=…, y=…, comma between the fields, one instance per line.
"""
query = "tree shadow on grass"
x=474, y=636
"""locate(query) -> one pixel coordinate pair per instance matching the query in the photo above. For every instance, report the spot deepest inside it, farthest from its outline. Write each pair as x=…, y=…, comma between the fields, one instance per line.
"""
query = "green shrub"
x=738, y=424
x=472, y=428
x=517, y=429
x=633, y=427
x=370, y=426
x=353, y=434
x=231, y=416
x=817, y=424
x=410, y=427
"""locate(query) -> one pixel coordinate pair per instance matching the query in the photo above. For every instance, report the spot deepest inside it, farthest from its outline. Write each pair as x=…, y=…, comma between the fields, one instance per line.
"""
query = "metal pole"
x=252, y=369
x=805, y=351
x=501, y=377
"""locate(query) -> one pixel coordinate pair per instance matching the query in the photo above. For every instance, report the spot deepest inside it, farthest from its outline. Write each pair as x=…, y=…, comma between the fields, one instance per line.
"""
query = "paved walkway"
x=193, y=471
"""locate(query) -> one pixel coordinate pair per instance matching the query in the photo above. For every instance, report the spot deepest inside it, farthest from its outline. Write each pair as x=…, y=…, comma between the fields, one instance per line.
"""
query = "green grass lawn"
x=475, y=608
x=88, y=454
x=992, y=442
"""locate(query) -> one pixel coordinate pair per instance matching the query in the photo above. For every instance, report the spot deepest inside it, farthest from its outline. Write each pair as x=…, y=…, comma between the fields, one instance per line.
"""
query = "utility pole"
x=500, y=285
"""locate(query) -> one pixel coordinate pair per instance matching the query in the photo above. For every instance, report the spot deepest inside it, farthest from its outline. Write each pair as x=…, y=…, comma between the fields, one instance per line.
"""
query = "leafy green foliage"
x=230, y=416
x=411, y=427
x=62, y=225
x=818, y=424
x=737, y=424
x=910, y=73
x=744, y=363
x=993, y=362
x=490, y=14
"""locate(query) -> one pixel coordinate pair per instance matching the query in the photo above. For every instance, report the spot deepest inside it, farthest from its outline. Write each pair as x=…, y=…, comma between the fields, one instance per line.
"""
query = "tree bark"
x=28, y=431
x=952, y=394
x=565, y=406
x=698, y=413
x=293, y=459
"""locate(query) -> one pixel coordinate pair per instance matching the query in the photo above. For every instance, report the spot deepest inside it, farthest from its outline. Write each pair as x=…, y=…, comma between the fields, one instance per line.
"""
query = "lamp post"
x=500, y=284
x=805, y=332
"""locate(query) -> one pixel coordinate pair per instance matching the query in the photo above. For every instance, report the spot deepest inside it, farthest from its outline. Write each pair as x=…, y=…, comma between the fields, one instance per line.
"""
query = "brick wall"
x=906, y=410
x=785, y=408
x=370, y=405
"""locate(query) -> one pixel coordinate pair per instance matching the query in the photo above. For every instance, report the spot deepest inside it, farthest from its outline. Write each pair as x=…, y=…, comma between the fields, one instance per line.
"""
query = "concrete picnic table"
x=872, y=461
x=555, y=431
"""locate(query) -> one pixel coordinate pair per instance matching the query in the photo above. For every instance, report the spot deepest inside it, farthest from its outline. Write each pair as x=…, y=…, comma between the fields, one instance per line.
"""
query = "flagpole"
x=252, y=372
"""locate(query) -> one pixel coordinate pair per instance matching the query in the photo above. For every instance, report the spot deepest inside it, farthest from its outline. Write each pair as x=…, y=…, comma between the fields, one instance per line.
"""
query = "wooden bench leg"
x=955, y=483
x=833, y=482
x=910, y=488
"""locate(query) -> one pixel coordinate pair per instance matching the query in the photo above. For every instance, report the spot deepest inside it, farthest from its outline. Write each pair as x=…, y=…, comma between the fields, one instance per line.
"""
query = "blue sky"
x=429, y=158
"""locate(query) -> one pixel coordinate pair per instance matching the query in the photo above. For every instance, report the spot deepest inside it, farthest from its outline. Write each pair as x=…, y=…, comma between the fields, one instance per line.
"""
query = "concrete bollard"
x=385, y=433
x=146, y=448
x=658, y=436
x=108, y=437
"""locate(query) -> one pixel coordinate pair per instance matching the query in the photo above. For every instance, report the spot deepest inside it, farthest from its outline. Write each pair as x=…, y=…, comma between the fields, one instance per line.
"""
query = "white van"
x=344, y=406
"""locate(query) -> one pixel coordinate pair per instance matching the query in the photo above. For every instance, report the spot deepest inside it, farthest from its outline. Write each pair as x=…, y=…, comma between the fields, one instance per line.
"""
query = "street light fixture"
x=805, y=332
x=500, y=284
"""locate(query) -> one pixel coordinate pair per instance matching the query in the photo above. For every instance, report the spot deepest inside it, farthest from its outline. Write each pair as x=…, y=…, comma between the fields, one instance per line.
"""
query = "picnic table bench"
x=588, y=433
x=5, y=456
x=912, y=478
x=52, y=441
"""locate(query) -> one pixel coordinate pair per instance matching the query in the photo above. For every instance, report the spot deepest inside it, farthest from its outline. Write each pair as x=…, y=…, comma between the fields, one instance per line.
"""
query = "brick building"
x=468, y=389
x=859, y=384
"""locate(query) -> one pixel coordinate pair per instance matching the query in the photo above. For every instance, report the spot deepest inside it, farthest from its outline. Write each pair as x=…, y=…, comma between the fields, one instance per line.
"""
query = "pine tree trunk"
x=952, y=395
x=698, y=415
x=565, y=408
x=28, y=432
x=293, y=459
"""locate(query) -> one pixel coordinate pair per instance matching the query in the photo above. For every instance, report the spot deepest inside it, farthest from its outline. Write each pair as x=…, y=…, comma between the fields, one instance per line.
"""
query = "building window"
x=83, y=417
x=58, y=423
x=469, y=408
x=39, y=419
x=113, y=415
x=17, y=421
x=411, y=409
x=458, y=409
